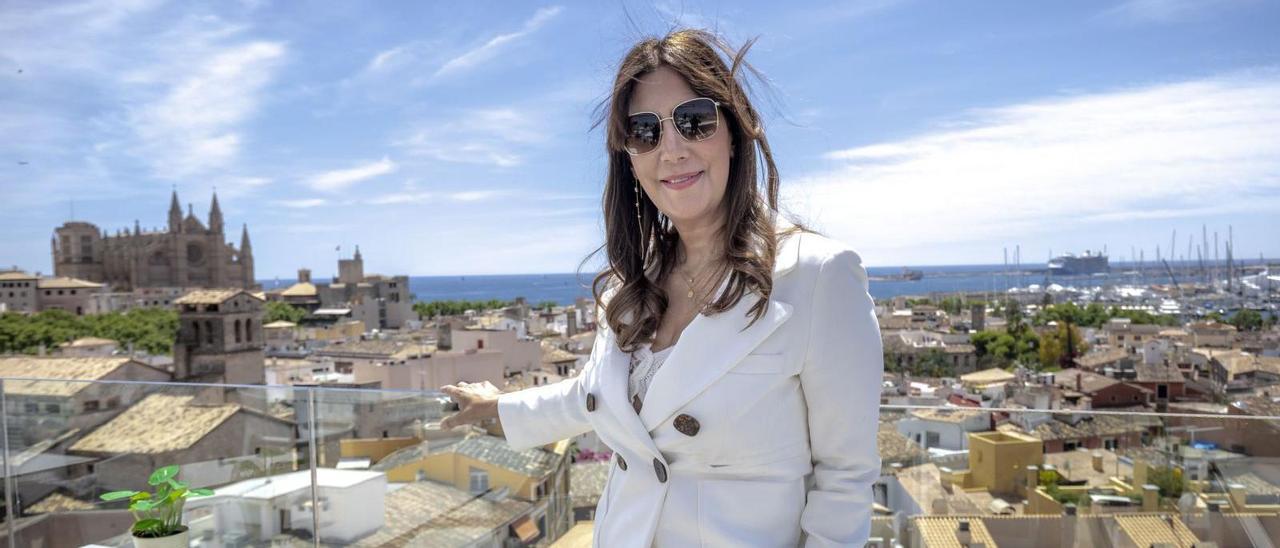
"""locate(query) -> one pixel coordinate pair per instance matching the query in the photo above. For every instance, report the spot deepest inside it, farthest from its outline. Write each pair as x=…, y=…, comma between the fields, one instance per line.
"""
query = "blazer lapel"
x=708, y=347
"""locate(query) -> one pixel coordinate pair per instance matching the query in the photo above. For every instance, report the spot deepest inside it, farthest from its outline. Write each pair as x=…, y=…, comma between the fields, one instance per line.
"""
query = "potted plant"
x=158, y=516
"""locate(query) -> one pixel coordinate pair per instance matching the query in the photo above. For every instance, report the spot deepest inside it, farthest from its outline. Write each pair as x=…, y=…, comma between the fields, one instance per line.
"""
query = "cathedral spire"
x=244, y=240
x=357, y=256
x=175, y=213
x=215, y=215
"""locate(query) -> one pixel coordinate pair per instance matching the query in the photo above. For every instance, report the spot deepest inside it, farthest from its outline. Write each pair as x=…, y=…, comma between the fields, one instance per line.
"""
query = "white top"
x=644, y=363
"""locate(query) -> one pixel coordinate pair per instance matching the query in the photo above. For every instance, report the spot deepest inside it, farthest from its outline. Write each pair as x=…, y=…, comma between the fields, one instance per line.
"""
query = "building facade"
x=186, y=254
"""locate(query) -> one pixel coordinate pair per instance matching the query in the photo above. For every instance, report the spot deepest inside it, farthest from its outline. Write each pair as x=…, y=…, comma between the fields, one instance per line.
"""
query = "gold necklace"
x=689, y=282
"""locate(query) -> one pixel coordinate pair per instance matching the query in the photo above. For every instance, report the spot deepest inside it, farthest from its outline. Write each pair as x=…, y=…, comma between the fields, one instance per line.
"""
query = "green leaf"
x=200, y=493
x=146, y=504
x=117, y=495
x=140, y=495
x=163, y=475
x=177, y=484
x=151, y=525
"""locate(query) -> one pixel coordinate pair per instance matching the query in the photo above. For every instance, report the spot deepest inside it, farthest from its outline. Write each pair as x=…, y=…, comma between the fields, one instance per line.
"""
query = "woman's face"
x=685, y=180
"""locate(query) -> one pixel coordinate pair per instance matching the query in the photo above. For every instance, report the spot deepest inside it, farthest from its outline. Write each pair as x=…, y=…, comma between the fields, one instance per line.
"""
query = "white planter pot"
x=180, y=540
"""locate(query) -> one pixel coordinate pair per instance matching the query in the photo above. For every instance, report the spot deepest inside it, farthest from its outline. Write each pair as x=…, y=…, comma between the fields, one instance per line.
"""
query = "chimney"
x=1215, y=520
x=572, y=327
x=1238, y=496
x=1150, y=497
x=1079, y=382
x=963, y=535
x=304, y=275
x=1032, y=480
x=1097, y=461
x=1069, y=513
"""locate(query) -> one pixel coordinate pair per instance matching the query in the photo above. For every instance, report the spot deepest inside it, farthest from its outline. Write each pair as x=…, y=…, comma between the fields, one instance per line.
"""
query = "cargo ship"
x=1077, y=265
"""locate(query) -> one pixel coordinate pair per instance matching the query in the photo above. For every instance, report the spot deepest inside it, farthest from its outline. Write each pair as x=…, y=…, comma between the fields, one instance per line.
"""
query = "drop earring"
x=637, y=181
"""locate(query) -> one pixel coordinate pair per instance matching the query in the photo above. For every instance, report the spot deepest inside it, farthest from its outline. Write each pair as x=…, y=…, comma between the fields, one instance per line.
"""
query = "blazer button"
x=591, y=402
x=635, y=402
x=660, y=470
x=622, y=463
x=687, y=425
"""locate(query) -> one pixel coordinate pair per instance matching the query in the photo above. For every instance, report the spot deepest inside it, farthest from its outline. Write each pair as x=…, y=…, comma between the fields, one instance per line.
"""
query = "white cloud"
x=407, y=197
x=475, y=195
x=304, y=203
x=194, y=128
x=1165, y=11
x=491, y=48
x=331, y=181
x=496, y=136
x=1054, y=165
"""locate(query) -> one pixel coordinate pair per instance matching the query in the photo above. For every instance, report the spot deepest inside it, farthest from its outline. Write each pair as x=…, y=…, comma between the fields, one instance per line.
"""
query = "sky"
x=455, y=138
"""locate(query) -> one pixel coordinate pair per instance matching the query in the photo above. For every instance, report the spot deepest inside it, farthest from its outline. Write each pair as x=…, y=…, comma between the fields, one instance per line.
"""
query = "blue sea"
x=564, y=288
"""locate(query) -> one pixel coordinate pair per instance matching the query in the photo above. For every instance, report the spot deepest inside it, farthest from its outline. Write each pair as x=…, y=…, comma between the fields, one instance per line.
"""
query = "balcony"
x=297, y=466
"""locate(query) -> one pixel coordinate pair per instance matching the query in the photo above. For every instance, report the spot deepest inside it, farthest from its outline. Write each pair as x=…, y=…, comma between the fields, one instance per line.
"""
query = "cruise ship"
x=1073, y=265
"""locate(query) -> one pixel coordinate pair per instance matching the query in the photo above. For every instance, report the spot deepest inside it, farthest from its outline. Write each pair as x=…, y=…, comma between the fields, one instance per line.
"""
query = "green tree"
x=279, y=311
x=1013, y=313
x=1059, y=348
x=1247, y=320
x=149, y=329
x=434, y=309
x=1168, y=479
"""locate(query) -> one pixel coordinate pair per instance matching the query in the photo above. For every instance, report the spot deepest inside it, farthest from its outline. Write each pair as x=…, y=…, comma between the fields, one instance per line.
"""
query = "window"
x=248, y=330
x=32, y=408
x=479, y=480
x=52, y=408
x=208, y=335
x=1069, y=446
x=91, y=405
x=113, y=402
x=1109, y=443
x=237, y=331
x=195, y=327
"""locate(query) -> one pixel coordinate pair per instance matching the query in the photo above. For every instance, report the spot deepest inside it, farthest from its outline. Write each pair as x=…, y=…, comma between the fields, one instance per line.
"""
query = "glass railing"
x=324, y=466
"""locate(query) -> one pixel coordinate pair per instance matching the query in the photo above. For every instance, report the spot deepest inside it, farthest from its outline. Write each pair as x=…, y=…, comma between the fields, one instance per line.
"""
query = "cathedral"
x=186, y=255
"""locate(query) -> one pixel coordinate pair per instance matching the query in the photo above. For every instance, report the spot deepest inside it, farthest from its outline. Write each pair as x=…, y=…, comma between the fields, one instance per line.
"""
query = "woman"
x=737, y=366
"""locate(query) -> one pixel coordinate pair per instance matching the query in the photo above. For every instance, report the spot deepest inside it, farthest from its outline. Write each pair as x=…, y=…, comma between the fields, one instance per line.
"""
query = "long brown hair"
x=650, y=244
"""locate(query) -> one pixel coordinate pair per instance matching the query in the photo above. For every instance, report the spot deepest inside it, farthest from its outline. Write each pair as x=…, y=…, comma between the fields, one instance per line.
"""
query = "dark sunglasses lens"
x=696, y=119
x=643, y=132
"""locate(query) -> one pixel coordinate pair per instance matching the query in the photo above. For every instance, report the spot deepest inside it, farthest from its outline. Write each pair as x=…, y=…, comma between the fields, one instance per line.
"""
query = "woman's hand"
x=476, y=401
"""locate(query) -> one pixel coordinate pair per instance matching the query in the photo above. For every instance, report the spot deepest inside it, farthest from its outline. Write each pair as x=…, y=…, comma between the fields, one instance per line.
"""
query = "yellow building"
x=998, y=461
x=474, y=464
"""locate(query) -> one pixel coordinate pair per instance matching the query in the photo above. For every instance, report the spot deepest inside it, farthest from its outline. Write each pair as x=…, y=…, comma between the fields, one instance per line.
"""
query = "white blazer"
x=749, y=436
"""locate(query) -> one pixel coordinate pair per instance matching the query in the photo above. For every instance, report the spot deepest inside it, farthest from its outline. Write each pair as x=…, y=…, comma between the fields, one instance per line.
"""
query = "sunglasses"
x=695, y=120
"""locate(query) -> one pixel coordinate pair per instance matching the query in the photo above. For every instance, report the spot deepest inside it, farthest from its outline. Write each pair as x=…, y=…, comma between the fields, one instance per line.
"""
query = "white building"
x=351, y=506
